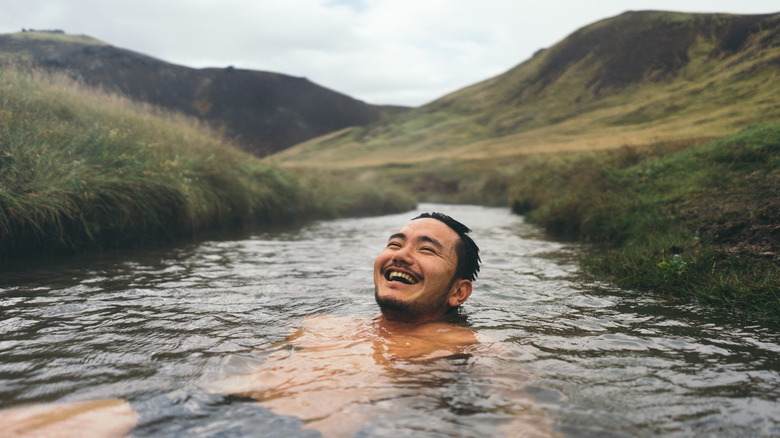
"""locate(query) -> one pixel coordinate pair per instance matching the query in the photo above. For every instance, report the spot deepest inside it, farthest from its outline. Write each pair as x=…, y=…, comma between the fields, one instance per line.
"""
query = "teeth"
x=405, y=278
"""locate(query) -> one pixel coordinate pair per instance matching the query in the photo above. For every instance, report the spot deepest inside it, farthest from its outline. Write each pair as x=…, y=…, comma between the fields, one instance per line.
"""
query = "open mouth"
x=400, y=277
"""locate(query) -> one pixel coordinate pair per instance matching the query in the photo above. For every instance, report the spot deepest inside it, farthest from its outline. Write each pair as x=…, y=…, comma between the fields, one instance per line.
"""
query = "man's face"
x=415, y=273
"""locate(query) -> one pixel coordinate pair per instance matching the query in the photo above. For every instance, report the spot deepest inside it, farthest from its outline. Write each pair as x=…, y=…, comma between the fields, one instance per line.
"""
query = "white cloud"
x=381, y=51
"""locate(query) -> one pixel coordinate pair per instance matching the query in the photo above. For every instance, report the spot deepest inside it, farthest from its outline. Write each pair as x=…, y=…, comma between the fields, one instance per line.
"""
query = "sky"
x=402, y=52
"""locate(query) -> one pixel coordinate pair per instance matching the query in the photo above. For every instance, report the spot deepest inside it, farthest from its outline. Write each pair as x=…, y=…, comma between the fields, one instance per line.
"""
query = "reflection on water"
x=155, y=328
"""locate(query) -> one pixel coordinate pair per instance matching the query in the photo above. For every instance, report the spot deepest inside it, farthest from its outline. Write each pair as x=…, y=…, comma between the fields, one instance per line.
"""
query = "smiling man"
x=346, y=376
x=426, y=269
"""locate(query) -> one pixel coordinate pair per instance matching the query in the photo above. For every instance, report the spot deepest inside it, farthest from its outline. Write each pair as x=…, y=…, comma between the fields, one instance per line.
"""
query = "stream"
x=156, y=327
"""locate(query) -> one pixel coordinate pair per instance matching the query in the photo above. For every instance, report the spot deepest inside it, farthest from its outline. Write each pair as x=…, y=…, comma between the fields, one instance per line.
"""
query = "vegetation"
x=83, y=170
x=56, y=35
x=696, y=222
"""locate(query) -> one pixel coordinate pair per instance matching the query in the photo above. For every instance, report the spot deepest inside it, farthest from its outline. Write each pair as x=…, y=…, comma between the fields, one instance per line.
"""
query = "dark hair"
x=467, y=250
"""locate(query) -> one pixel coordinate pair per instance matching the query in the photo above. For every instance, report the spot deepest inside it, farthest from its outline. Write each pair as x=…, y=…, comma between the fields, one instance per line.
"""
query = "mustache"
x=405, y=267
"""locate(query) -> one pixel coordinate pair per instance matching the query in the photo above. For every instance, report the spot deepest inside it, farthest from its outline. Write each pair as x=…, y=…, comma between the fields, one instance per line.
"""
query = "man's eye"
x=394, y=245
x=427, y=249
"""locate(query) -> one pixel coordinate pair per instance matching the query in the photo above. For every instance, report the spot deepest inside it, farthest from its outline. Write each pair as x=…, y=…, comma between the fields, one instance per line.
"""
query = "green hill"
x=637, y=78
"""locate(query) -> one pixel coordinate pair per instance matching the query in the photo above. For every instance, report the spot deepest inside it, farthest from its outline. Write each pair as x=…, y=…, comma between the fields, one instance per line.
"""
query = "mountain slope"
x=264, y=112
x=636, y=78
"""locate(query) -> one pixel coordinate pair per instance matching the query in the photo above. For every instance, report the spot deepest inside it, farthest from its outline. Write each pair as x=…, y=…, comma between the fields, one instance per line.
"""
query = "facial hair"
x=395, y=309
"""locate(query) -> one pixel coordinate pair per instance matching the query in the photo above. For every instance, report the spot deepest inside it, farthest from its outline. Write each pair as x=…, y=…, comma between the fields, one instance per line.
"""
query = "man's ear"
x=460, y=294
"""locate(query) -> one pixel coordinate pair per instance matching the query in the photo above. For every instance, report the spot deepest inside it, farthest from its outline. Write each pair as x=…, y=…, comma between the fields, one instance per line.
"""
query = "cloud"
x=381, y=51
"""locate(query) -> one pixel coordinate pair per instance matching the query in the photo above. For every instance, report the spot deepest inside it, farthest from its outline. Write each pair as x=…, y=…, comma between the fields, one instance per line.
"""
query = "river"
x=155, y=328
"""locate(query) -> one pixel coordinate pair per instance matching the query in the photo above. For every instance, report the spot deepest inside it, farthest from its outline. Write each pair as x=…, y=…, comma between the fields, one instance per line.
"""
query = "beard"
x=395, y=309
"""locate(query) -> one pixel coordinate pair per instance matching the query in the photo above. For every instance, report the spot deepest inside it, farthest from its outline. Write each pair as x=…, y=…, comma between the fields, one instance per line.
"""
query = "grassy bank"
x=697, y=222
x=82, y=170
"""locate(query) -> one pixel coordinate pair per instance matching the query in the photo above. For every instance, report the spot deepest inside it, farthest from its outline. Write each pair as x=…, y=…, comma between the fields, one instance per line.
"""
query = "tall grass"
x=698, y=222
x=82, y=170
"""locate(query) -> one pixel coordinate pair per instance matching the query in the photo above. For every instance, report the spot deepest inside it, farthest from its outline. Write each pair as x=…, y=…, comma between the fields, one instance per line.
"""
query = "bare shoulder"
x=321, y=321
x=332, y=326
x=446, y=333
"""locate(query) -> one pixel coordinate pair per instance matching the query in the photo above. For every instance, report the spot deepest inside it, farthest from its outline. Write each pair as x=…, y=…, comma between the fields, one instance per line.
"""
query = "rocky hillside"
x=263, y=112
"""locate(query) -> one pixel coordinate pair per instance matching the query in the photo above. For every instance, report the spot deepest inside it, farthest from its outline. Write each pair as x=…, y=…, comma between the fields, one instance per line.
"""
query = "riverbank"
x=686, y=221
x=82, y=170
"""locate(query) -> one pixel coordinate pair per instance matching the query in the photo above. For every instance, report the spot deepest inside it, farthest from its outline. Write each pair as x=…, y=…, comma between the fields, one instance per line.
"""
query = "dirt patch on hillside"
x=743, y=226
x=646, y=45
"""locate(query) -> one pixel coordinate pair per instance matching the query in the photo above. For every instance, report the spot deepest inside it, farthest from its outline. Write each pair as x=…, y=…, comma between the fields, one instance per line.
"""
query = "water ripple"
x=149, y=326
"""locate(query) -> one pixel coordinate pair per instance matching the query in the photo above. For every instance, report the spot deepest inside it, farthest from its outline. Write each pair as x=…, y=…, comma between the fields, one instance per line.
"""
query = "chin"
x=392, y=296
x=396, y=308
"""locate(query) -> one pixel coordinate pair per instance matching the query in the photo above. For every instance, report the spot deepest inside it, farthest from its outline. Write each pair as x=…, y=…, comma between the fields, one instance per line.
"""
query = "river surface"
x=156, y=328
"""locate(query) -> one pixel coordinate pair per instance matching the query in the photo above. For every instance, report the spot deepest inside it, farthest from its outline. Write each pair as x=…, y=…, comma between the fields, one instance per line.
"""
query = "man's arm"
x=98, y=418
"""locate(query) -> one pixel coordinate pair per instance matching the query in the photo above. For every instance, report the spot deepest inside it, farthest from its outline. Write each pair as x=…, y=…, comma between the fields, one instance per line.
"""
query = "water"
x=157, y=328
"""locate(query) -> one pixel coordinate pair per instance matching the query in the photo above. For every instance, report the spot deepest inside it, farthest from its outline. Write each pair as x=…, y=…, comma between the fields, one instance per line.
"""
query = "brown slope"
x=263, y=112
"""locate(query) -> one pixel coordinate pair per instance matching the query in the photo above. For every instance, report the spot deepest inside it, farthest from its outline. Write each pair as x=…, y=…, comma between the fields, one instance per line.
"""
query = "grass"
x=82, y=170
x=699, y=222
x=57, y=36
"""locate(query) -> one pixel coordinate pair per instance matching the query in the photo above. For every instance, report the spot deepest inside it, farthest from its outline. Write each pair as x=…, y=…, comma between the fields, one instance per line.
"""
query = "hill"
x=636, y=78
x=262, y=112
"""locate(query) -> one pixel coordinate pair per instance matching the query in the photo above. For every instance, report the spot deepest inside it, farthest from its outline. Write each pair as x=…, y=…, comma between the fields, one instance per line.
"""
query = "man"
x=344, y=375
x=426, y=269
x=421, y=277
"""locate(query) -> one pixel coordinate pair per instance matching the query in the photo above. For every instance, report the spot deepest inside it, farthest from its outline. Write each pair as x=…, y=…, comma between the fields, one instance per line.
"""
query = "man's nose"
x=403, y=255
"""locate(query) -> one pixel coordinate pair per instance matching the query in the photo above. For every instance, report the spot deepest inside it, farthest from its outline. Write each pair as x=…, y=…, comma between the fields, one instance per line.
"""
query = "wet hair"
x=466, y=249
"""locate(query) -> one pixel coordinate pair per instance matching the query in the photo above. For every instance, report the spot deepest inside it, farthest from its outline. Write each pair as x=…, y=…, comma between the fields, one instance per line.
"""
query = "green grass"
x=82, y=170
x=701, y=222
x=57, y=36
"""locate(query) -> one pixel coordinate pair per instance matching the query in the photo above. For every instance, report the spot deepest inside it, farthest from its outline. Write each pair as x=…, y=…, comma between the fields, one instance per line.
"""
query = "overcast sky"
x=405, y=52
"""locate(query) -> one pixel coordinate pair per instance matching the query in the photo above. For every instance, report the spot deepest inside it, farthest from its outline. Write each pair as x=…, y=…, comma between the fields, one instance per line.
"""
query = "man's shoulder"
x=333, y=321
x=437, y=331
x=446, y=332
x=336, y=326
